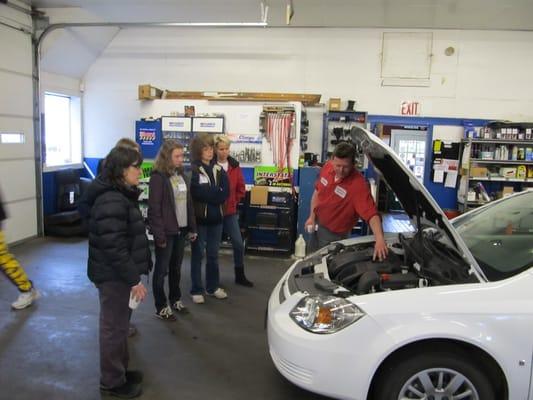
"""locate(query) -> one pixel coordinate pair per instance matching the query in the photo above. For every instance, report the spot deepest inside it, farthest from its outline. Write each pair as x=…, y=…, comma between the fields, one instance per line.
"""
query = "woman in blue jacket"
x=209, y=191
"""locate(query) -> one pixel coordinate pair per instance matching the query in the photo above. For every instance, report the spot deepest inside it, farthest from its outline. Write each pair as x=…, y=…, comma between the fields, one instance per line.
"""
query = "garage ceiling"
x=426, y=14
x=83, y=45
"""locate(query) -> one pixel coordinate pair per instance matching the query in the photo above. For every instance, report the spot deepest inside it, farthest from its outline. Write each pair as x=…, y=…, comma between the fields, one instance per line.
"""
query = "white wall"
x=60, y=84
x=489, y=76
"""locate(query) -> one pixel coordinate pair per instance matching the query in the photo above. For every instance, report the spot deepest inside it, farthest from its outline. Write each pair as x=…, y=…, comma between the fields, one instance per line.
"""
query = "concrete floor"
x=218, y=352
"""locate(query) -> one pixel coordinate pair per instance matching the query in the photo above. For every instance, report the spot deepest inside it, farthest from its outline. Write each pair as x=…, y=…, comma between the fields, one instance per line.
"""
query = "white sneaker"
x=198, y=298
x=180, y=307
x=25, y=299
x=166, y=314
x=219, y=294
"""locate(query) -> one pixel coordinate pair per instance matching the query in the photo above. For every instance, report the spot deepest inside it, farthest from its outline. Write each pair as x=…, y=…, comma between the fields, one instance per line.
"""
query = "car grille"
x=298, y=373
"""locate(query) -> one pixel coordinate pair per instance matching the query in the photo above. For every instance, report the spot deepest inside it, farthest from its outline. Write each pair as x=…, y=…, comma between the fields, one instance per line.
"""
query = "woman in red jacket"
x=231, y=217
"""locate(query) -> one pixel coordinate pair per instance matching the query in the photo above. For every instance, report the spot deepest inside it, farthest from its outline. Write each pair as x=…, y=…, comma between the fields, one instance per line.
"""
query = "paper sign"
x=438, y=176
x=451, y=179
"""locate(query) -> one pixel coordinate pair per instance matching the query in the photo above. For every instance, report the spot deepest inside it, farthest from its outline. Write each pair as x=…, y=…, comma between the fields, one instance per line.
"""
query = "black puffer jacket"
x=118, y=246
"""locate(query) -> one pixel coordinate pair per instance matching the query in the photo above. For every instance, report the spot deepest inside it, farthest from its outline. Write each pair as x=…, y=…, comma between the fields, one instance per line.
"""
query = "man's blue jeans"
x=208, y=240
x=232, y=229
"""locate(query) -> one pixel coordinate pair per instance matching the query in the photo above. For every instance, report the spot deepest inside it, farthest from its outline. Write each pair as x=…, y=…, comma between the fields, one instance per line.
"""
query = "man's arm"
x=380, y=248
x=311, y=221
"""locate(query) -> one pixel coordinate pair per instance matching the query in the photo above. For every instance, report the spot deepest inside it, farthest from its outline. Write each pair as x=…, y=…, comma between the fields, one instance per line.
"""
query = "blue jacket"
x=209, y=191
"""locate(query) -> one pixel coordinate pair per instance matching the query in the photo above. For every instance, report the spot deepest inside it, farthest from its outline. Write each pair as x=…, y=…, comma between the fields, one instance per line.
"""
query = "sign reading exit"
x=410, y=108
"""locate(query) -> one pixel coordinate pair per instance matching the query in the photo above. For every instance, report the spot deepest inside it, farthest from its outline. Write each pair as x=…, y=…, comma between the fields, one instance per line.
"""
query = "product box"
x=487, y=155
x=530, y=172
x=279, y=199
x=334, y=104
x=521, y=172
x=478, y=172
x=508, y=172
x=529, y=154
x=507, y=191
x=259, y=195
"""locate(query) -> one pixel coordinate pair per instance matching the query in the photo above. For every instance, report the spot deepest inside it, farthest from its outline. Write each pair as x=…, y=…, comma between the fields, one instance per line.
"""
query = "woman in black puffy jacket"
x=118, y=255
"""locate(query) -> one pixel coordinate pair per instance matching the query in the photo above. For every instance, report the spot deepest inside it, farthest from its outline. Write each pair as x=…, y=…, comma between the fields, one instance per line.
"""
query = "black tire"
x=393, y=379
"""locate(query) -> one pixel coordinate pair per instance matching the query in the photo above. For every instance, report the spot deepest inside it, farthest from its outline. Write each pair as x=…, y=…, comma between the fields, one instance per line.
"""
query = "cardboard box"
x=259, y=195
x=507, y=191
x=508, y=172
x=478, y=172
x=334, y=104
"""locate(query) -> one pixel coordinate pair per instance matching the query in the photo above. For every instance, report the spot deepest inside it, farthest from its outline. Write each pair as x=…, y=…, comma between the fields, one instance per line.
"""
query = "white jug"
x=299, y=247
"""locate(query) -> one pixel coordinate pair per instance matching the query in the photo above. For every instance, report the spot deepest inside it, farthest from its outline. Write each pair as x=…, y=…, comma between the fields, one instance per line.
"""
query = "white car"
x=449, y=314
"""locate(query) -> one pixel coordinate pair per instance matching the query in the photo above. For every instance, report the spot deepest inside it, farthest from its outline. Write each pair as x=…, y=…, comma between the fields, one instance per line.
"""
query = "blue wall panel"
x=445, y=197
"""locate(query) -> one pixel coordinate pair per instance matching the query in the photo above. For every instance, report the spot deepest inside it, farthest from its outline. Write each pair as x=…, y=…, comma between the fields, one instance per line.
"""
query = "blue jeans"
x=208, y=239
x=232, y=229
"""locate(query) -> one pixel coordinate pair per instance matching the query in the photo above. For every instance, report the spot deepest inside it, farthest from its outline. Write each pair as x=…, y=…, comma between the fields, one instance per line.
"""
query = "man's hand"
x=192, y=236
x=162, y=243
x=380, y=250
x=310, y=224
x=138, y=291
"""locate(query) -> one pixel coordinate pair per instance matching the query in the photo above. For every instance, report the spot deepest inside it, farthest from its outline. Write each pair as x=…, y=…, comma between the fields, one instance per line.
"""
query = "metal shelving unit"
x=481, y=149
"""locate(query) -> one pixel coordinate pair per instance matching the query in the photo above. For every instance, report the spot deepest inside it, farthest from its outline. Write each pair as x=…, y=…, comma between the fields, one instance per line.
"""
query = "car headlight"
x=325, y=314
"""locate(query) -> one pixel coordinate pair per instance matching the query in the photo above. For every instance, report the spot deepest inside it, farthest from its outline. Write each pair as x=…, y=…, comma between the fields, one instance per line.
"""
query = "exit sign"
x=410, y=108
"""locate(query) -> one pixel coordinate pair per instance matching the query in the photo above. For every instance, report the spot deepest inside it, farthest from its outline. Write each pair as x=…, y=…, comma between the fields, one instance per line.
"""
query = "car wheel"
x=433, y=376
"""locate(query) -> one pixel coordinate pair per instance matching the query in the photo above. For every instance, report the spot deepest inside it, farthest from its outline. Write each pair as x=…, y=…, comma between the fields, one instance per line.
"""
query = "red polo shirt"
x=340, y=204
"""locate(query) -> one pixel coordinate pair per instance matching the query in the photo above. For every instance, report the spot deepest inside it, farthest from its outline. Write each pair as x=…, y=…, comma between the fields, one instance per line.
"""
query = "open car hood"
x=416, y=200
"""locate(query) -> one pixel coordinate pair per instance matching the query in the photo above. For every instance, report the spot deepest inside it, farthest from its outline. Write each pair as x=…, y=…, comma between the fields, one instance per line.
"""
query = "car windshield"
x=500, y=236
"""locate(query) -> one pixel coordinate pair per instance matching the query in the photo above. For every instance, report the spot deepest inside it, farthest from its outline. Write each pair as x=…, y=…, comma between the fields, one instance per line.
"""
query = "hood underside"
x=416, y=200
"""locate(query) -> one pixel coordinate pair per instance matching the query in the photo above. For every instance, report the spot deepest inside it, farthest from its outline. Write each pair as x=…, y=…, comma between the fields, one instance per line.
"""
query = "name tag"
x=340, y=192
x=324, y=181
x=182, y=187
x=203, y=179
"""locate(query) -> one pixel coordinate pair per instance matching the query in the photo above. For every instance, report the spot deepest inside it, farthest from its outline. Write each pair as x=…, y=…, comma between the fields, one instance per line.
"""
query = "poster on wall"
x=246, y=148
x=148, y=136
x=273, y=176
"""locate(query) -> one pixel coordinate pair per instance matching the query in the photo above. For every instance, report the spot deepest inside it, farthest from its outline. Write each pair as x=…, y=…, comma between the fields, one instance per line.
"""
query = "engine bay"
x=420, y=260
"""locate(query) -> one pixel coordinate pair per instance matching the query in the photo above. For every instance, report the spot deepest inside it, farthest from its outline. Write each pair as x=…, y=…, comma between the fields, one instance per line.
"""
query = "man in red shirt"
x=341, y=196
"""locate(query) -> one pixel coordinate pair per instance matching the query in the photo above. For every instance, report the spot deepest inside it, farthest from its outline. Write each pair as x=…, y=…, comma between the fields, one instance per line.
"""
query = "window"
x=62, y=131
x=12, y=138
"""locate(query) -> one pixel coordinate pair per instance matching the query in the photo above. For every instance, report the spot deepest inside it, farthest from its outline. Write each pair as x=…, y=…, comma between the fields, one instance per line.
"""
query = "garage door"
x=17, y=152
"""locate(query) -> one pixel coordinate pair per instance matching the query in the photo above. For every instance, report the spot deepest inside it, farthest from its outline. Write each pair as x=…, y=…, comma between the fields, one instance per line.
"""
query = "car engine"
x=417, y=261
